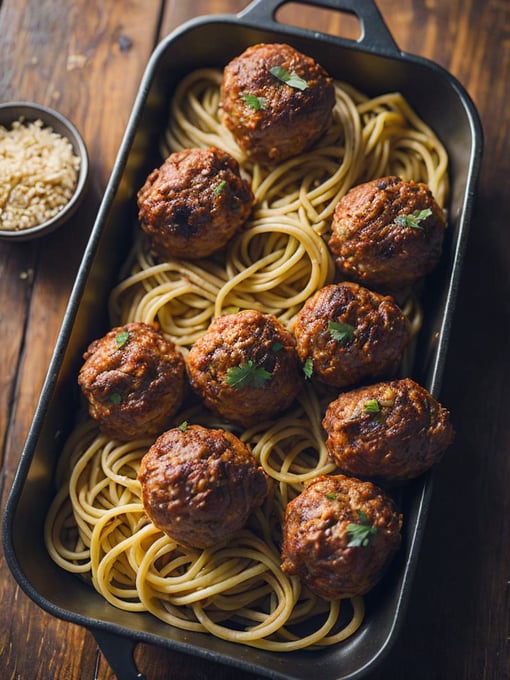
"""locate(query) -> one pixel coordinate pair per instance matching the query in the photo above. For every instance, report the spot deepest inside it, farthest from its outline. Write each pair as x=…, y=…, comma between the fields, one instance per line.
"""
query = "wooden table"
x=85, y=58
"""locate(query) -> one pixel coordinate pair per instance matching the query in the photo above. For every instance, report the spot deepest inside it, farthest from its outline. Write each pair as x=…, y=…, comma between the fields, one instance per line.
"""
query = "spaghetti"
x=96, y=525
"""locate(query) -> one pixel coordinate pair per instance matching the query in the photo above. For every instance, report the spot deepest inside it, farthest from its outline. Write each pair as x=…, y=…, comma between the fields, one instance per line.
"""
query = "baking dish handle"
x=375, y=36
x=118, y=652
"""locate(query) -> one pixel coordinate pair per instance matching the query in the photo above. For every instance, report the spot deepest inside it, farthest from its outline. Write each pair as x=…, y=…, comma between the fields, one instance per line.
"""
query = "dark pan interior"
x=441, y=102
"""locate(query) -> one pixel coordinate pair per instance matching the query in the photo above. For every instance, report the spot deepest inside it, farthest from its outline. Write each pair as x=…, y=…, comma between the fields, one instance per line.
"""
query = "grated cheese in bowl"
x=38, y=174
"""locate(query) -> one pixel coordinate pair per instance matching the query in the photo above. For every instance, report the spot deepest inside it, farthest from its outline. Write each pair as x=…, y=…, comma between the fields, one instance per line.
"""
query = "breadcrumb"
x=38, y=174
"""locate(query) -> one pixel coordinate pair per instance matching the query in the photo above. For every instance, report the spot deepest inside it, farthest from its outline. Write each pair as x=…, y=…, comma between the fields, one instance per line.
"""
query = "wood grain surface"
x=86, y=58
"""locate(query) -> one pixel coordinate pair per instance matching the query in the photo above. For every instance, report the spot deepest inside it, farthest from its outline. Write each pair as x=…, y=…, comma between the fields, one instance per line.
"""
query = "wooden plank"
x=85, y=59
x=17, y=264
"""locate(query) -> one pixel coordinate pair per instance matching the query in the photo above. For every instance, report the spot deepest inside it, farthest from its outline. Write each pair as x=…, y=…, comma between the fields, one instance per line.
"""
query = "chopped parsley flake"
x=308, y=368
x=291, y=79
x=372, y=406
x=121, y=338
x=116, y=398
x=254, y=102
x=413, y=220
x=219, y=187
x=247, y=375
x=341, y=332
x=183, y=426
x=361, y=532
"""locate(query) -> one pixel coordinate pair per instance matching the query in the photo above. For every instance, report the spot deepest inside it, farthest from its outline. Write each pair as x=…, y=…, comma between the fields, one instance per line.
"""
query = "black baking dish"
x=375, y=65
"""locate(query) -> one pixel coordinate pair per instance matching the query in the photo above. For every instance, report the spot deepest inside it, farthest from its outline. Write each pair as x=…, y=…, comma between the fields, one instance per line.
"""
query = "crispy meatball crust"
x=372, y=241
x=320, y=546
x=350, y=333
x=245, y=367
x=393, y=430
x=200, y=485
x=287, y=120
x=133, y=379
x=194, y=203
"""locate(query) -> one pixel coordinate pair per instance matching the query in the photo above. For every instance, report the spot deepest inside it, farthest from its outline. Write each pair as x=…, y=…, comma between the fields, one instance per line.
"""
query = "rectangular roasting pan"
x=375, y=65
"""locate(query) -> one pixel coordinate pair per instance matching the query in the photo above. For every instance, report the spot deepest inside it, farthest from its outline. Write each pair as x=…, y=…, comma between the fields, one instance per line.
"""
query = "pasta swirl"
x=96, y=525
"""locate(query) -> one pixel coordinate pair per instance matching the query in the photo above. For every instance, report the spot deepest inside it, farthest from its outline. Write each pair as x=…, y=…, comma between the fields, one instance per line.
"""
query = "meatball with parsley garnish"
x=339, y=535
x=347, y=333
x=200, y=485
x=245, y=367
x=134, y=381
x=276, y=101
x=387, y=233
x=193, y=204
x=391, y=431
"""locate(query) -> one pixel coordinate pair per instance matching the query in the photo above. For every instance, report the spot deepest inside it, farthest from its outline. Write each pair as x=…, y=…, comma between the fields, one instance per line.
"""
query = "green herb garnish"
x=247, y=375
x=372, y=406
x=361, y=532
x=291, y=79
x=331, y=496
x=413, y=220
x=341, y=332
x=254, y=102
x=219, y=187
x=308, y=368
x=121, y=338
x=116, y=398
x=183, y=426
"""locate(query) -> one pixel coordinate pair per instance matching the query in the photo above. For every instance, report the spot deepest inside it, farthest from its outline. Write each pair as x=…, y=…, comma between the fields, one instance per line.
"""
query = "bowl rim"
x=32, y=111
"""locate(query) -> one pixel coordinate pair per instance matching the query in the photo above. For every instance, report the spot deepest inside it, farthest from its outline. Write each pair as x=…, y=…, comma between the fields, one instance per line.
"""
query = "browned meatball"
x=200, y=485
x=387, y=233
x=339, y=535
x=393, y=430
x=277, y=102
x=194, y=203
x=133, y=379
x=350, y=333
x=245, y=367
